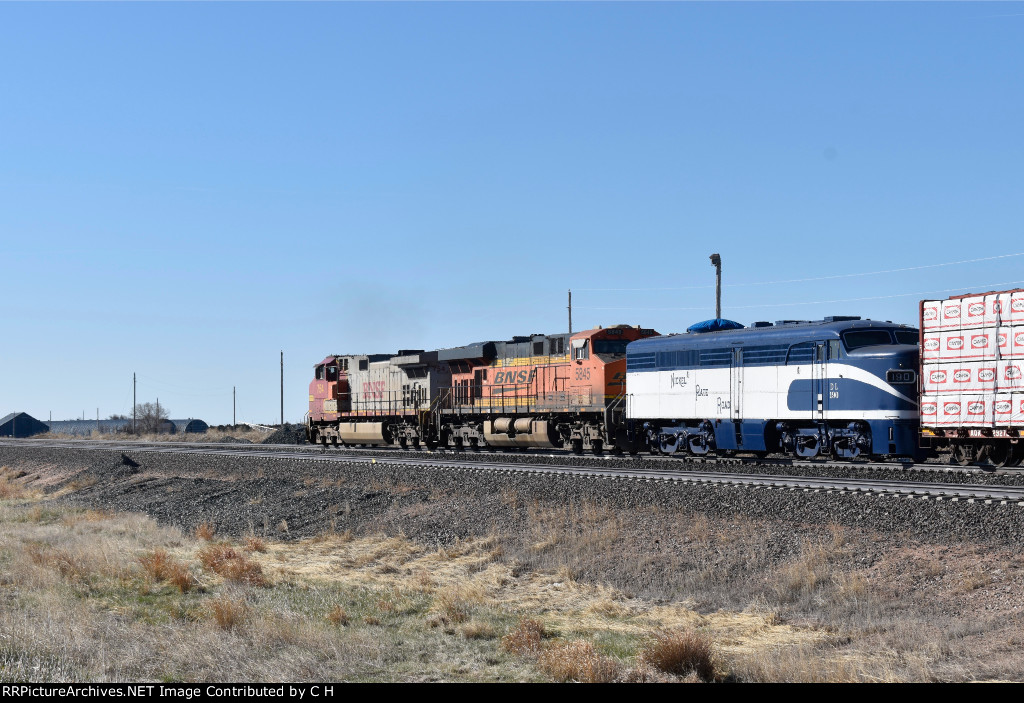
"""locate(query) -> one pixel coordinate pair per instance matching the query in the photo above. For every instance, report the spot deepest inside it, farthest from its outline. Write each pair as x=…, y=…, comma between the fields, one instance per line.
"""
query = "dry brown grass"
x=525, y=639
x=255, y=544
x=228, y=614
x=681, y=653
x=338, y=616
x=478, y=630
x=577, y=661
x=11, y=488
x=224, y=560
x=456, y=603
x=161, y=566
x=205, y=531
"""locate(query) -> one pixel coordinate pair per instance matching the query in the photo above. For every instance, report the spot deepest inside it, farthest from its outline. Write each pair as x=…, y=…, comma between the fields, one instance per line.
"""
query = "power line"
x=986, y=286
x=822, y=278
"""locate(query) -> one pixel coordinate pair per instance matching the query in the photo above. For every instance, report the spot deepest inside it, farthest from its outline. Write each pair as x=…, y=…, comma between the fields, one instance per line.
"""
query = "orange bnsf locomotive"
x=549, y=391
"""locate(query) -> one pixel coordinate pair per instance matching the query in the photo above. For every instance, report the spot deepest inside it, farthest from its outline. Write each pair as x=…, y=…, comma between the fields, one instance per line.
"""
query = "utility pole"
x=134, y=405
x=234, y=407
x=282, y=388
x=716, y=261
x=570, y=311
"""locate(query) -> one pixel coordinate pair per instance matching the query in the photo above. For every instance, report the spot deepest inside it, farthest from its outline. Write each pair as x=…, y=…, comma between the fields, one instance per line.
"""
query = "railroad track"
x=971, y=493
x=485, y=455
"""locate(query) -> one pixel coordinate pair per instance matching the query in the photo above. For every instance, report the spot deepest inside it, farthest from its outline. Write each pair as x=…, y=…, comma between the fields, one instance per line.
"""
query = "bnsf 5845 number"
x=582, y=374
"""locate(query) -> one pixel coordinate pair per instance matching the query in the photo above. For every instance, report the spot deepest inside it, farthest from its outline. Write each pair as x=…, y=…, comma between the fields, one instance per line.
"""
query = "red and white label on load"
x=949, y=319
x=929, y=407
x=1016, y=309
x=932, y=343
x=972, y=312
x=930, y=311
x=952, y=346
x=1002, y=411
x=1016, y=335
x=1011, y=374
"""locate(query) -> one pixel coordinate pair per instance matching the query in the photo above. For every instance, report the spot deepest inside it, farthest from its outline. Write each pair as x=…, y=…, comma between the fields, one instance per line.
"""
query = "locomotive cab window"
x=855, y=339
x=319, y=373
x=906, y=336
x=332, y=373
x=580, y=349
x=610, y=346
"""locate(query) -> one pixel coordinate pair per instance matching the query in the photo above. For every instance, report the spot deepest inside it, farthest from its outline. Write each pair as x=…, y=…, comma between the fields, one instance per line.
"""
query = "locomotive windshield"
x=610, y=346
x=906, y=336
x=855, y=339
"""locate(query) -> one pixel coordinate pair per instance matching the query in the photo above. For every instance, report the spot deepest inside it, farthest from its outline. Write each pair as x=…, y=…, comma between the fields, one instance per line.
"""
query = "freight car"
x=841, y=387
x=553, y=391
x=972, y=393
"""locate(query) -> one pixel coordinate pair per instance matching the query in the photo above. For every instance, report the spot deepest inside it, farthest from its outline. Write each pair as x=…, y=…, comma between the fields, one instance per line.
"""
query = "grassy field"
x=95, y=596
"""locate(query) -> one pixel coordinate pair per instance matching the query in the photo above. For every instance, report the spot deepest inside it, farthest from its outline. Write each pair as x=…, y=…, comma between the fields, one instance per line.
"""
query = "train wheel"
x=597, y=447
x=964, y=454
x=577, y=446
x=1000, y=454
x=1016, y=454
x=334, y=442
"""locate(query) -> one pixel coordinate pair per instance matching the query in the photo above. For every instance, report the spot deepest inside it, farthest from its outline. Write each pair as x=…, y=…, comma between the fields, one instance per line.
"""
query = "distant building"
x=191, y=425
x=84, y=428
x=21, y=425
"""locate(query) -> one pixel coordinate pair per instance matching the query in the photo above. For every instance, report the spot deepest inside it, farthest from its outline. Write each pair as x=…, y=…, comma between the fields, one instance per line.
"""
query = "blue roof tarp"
x=715, y=325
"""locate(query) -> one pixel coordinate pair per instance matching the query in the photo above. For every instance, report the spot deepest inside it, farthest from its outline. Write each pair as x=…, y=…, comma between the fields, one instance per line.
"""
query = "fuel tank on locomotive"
x=841, y=387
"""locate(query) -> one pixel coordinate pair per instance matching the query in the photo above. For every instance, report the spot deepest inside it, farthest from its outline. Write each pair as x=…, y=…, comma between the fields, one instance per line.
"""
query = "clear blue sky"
x=187, y=189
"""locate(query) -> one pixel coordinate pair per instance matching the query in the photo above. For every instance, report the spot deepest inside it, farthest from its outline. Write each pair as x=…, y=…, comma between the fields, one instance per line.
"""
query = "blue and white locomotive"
x=841, y=387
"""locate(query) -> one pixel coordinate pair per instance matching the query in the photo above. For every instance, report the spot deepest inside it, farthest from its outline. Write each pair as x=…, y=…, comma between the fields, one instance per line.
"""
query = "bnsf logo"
x=978, y=341
x=961, y=375
x=374, y=389
x=928, y=408
x=930, y=313
x=1012, y=372
x=975, y=309
x=1004, y=406
x=954, y=343
x=938, y=376
x=986, y=374
x=523, y=376
x=975, y=408
x=951, y=408
x=933, y=344
x=951, y=312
